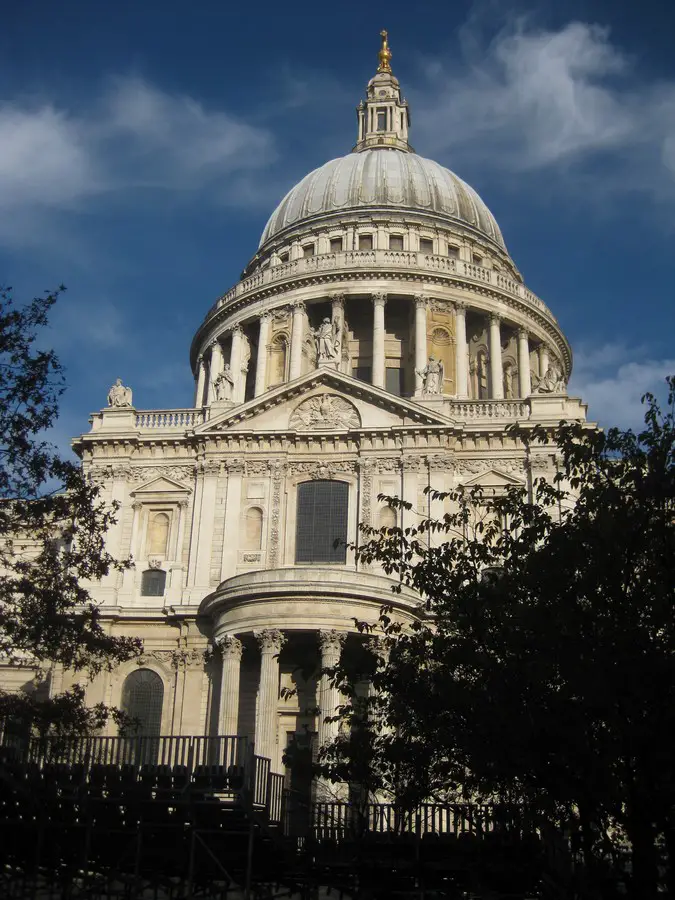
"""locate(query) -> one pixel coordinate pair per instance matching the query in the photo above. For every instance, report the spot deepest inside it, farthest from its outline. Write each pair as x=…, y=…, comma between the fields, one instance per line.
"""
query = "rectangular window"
x=394, y=380
x=365, y=242
x=308, y=250
x=426, y=245
x=453, y=252
x=321, y=531
x=396, y=242
x=335, y=245
x=363, y=373
x=283, y=257
x=382, y=119
x=478, y=260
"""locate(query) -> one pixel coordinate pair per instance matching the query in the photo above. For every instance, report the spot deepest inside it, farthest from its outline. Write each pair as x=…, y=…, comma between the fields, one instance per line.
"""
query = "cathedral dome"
x=383, y=178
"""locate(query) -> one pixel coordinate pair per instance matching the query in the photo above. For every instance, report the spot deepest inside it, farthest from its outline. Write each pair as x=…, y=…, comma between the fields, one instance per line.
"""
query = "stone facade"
x=383, y=344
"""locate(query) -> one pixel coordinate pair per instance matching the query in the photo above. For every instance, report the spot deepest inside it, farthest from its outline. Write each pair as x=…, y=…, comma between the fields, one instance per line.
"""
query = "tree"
x=52, y=530
x=543, y=672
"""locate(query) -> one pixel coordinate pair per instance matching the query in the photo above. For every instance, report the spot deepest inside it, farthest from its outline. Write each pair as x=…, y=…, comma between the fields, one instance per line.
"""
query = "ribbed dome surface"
x=382, y=178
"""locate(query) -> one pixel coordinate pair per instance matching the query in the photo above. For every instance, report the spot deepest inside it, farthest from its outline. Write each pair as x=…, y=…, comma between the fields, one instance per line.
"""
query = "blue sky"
x=143, y=146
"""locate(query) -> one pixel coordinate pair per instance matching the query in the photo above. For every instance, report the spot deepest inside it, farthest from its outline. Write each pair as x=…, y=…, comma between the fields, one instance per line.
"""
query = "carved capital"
x=330, y=642
x=523, y=333
x=460, y=307
x=137, y=506
x=270, y=640
x=230, y=646
x=421, y=301
x=234, y=466
x=495, y=319
x=441, y=462
x=379, y=299
x=237, y=330
x=298, y=307
x=337, y=300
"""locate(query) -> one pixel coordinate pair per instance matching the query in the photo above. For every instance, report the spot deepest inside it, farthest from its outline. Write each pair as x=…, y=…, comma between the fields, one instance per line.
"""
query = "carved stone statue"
x=327, y=341
x=432, y=376
x=119, y=395
x=224, y=384
x=551, y=382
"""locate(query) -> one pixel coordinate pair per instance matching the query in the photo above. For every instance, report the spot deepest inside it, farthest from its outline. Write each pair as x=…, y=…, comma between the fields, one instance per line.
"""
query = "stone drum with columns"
x=380, y=341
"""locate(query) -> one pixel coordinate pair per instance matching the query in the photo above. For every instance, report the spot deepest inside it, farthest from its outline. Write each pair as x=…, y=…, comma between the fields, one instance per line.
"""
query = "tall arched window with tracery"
x=321, y=522
x=142, y=700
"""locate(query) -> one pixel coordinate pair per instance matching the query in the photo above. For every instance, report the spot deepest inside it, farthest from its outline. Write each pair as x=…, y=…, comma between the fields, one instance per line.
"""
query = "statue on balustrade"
x=119, y=395
x=224, y=384
x=327, y=341
x=432, y=376
x=551, y=382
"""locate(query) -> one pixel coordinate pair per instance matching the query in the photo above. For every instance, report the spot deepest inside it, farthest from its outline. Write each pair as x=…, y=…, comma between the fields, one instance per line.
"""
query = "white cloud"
x=534, y=99
x=134, y=135
x=612, y=379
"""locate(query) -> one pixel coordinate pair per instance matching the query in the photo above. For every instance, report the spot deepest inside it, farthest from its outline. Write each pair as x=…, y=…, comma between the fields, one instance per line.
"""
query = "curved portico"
x=292, y=612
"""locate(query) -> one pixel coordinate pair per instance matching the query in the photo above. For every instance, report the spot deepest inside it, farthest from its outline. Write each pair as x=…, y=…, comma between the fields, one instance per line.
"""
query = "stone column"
x=201, y=376
x=297, y=334
x=496, y=372
x=524, y=380
x=231, y=649
x=236, y=352
x=543, y=360
x=420, y=340
x=330, y=643
x=338, y=319
x=271, y=641
x=261, y=362
x=215, y=369
x=378, y=374
x=462, y=352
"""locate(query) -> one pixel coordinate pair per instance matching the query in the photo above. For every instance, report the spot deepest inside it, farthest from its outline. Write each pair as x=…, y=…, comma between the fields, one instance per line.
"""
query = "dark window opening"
x=478, y=260
x=283, y=257
x=153, y=582
x=394, y=380
x=335, y=245
x=381, y=120
x=363, y=373
x=365, y=242
x=453, y=252
x=321, y=521
x=426, y=245
x=396, y=242
x=308, y=250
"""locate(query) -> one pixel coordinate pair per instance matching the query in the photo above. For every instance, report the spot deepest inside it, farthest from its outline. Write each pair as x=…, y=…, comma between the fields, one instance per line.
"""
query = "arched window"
x=321, y=521
x=253, y=528
x=142, y=699
x=153, y=582
x=158, y=534
x=277, y=360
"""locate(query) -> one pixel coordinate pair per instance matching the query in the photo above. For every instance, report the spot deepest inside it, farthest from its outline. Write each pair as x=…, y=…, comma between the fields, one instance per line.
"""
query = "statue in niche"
x=119, y=395
x=325, y=411
x=551, y=382
x=327, y=341
x=224, y=384
x=432, y=376
x=508, y=382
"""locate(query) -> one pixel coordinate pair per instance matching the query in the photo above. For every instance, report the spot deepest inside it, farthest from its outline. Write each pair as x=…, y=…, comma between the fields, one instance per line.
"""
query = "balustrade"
x=490, y=409
x=362, y=258
x=169, y=418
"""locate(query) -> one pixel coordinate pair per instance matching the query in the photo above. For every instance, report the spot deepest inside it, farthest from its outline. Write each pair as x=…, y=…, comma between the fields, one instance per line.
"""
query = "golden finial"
x=384, y=54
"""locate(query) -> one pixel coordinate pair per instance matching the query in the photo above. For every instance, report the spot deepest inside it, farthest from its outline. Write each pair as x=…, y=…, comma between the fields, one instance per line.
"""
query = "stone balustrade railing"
x=346, y=259
x=513, y=410
x=169, y=418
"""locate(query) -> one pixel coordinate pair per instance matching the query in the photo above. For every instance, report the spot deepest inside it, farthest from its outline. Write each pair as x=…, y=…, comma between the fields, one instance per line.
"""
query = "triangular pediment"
x=492, y=479
x=324, y=400
x=160, y=485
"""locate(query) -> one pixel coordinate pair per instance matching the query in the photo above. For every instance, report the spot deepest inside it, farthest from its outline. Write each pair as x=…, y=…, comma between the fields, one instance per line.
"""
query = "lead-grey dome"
x=383, y=178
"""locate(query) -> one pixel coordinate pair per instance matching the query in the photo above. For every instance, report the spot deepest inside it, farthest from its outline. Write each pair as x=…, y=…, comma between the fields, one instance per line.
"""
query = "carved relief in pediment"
x=325, y=411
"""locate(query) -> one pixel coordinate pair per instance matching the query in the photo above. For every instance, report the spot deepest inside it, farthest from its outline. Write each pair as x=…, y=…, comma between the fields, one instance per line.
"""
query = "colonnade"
x=271, y=641
x=378, y=376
